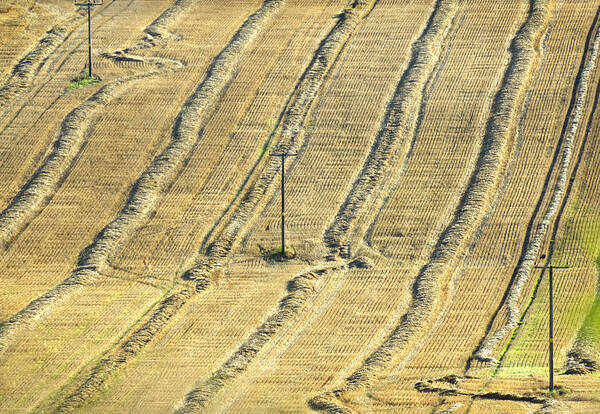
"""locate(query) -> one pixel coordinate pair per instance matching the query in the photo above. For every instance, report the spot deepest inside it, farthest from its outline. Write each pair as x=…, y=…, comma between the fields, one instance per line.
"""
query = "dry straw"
x=450, y=386
x=393, y=141
x=43, y=184
x=292, y=136
x=146, y=192
x=204, y=272
x=510, y=307
x=497, y=147
x=160, y=174
x=24, y=71
x=300, y=290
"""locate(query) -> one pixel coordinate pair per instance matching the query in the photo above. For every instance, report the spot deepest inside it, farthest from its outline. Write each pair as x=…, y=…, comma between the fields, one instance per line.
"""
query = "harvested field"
x=442, y=148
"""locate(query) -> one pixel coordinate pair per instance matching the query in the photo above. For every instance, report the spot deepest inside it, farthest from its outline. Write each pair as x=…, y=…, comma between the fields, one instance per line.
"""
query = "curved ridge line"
x=492, y=339
x=485, y=179
x=242, y=357
x=35, y=195
x=383, y=199
x=292, y=139
x=359, y=262
x=187, y=128
x=23, y=72
x=37, y=192
x=205, y=274
x=400, y=121
x=300, y=290
x=157, y=178
x=580, y=362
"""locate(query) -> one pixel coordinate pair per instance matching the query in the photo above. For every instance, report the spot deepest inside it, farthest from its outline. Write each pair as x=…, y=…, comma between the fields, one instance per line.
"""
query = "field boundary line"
x=581, y=357
x=453, y=282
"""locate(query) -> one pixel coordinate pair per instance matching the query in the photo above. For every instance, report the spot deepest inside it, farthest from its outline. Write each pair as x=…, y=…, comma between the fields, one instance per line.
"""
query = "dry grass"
x=530, y=255
x=154, y=181
x=441, y=146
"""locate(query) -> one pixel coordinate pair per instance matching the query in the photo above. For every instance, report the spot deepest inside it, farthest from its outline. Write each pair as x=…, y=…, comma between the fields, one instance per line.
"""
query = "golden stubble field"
x=444, y=148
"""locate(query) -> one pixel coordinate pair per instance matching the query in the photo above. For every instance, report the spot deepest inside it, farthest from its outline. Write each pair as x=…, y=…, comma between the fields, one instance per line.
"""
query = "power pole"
x=283, y=156
x=550, y=267
x=89, y=4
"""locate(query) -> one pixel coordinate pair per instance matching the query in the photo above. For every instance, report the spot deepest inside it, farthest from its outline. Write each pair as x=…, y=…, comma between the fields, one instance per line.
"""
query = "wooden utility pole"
x=283, y=157
x=89, y=4
x=550, y=267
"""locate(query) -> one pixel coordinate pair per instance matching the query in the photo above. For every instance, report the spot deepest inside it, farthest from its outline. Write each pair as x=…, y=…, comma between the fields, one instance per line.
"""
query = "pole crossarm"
x=283, y=156
x=88, y=3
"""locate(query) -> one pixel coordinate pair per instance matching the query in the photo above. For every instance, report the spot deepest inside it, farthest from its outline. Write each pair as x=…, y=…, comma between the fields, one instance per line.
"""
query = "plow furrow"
x=437, y=149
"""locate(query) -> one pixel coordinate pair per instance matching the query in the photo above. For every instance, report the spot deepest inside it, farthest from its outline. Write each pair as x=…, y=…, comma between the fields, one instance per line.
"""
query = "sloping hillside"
x=443, y=149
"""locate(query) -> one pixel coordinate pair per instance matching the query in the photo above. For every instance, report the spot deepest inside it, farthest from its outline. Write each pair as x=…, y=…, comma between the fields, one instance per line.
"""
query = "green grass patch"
x=591, y=324
x=590, y=242
x=274, y=254
x=517, y=328
x=310, y=128
x=263, y=149
x=524, y=355
x=81, y=81
x=558, y=391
